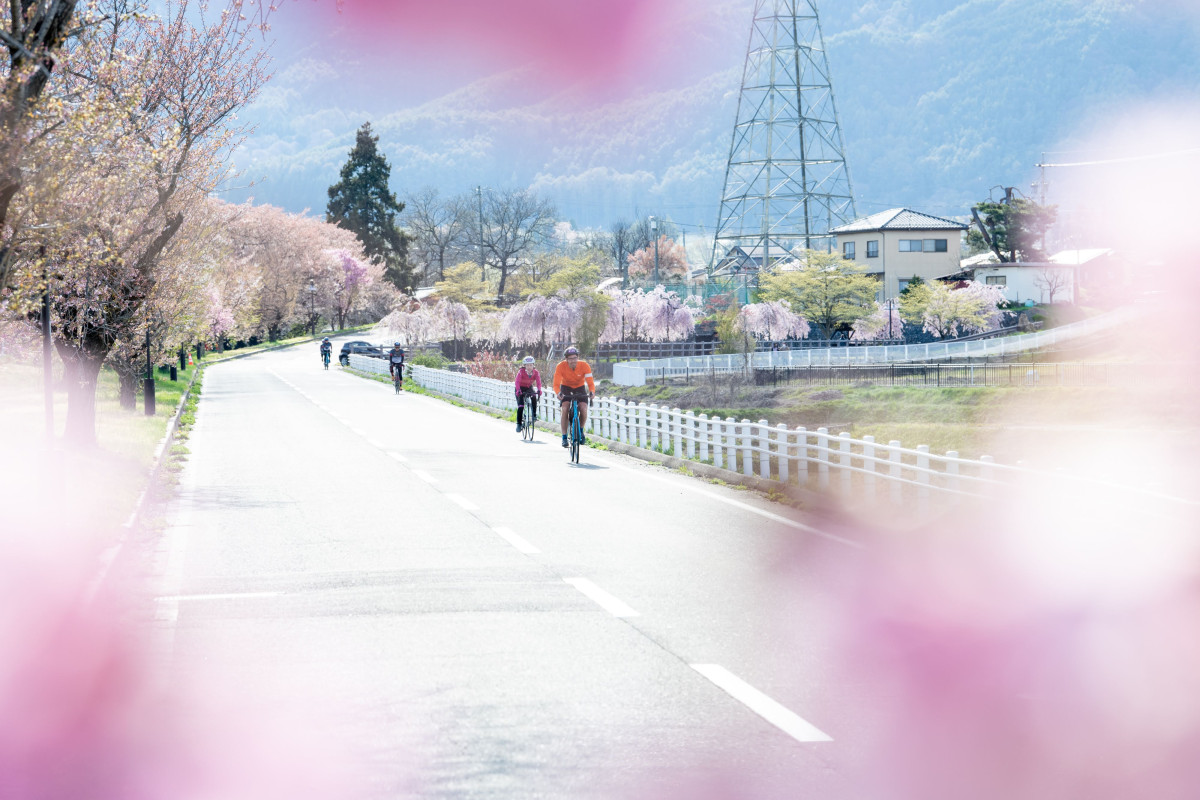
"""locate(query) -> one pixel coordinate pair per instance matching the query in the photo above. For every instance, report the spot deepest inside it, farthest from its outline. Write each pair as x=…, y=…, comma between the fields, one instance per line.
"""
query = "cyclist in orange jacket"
x=573, y=381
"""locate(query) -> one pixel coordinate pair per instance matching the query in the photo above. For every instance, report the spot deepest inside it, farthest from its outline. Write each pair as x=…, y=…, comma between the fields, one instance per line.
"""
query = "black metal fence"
x=637, y=351
x=1040, y=374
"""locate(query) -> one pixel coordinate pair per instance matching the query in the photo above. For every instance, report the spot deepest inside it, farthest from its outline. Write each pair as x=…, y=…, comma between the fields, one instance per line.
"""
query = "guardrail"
x=636, y=373
x=759, y=449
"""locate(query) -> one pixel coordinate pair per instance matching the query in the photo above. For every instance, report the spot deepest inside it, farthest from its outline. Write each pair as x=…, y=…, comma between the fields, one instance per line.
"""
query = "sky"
x=625, y=108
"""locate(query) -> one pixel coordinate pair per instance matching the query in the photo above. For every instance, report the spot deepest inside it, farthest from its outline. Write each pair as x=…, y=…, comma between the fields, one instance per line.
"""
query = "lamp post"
x=889, y=313
x=312, y=308
x=148, y=386
x=47, y=348
x=654, y=233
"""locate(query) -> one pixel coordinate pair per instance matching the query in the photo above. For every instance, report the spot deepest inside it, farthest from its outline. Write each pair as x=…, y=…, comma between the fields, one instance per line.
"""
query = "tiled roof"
x=899, y=219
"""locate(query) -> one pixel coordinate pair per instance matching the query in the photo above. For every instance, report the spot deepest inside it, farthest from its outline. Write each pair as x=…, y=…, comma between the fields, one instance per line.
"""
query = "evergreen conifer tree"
x=362, y=202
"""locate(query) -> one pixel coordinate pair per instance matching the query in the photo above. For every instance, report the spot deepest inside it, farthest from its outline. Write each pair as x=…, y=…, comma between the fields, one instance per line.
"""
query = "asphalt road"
x=476, y=617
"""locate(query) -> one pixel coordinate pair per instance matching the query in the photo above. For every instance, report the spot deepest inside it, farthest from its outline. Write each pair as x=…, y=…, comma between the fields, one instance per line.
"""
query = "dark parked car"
x=362, y=348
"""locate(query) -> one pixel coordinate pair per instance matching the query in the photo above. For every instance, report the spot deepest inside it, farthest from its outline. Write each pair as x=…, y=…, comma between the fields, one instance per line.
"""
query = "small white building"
x=1050, y=281
x=902, y=244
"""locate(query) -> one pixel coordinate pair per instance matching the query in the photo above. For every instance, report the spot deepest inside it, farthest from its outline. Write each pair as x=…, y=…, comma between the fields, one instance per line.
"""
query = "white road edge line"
x=397, y=456
x=791, y=523
x=459, y=500
x=227, y=596
x=602, y=598
x=516, y=541
x=786, y=720
x=425, y=476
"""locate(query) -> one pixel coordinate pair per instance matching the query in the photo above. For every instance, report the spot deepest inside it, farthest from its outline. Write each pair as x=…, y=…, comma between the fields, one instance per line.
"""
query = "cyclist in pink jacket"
x=528, y=382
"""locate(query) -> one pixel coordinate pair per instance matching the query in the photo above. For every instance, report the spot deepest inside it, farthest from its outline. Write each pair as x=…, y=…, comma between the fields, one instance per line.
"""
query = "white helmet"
x=528, y=360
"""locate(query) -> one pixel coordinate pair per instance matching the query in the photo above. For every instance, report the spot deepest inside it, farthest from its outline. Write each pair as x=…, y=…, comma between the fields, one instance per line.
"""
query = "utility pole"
x=482, y=267
x=654, y=233
x=148, y=386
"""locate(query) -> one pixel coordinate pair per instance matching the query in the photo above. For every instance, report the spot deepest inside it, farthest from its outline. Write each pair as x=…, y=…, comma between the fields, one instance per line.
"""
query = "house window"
x=997, y=280
x=848, y=250
x=903, y=284
x=924, y=245
x=873, y=248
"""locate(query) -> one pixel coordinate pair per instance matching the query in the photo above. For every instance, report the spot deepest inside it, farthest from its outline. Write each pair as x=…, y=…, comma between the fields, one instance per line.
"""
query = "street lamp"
x=654, y=233
x=312, y=312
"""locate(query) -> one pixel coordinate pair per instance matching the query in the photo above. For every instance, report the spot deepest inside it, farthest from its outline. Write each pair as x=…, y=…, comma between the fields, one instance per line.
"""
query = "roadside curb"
x=109, y=556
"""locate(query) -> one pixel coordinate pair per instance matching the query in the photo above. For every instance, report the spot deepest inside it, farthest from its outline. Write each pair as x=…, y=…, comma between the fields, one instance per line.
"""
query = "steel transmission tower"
x=786, y=181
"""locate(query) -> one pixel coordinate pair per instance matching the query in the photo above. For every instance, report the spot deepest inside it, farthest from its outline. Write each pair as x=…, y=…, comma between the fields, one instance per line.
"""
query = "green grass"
x=1003, y=422
x=216, y=358
x=104, y=482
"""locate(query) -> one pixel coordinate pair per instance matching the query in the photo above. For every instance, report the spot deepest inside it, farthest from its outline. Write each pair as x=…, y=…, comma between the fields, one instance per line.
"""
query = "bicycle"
x=398, y=377
x=529, y=414
x=325, y=359
x=574, y=432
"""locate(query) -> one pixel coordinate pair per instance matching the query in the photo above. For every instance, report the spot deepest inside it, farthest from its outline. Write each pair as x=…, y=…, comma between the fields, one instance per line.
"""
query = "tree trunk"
x=81, y=376
x=127, y=390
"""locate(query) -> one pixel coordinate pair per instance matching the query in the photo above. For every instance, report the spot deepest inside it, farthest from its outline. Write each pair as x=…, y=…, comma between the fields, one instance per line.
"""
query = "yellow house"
x=901, y=244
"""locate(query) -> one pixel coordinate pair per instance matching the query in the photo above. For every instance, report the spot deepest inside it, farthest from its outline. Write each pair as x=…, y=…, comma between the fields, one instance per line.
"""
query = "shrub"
x=488, y=364
x=433, y=360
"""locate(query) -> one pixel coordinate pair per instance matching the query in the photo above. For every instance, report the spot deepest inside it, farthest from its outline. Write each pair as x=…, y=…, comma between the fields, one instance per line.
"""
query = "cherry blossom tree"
x=672, y=260
x=350, y=279
x=182, y=78
x=884, y=323
x=526, y=324
x=658, y=315
x=970, y=309
x=773, y=319
x=451, y=320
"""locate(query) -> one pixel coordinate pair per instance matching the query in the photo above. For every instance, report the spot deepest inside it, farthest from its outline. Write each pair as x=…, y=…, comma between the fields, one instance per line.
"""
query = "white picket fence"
x=862, y=467
x=636, y=373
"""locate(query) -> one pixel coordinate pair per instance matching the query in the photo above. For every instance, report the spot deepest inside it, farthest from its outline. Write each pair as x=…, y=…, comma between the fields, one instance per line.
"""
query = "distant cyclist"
x=573, y=381
x=396, y=364
x=528, y=383
x=326, y=351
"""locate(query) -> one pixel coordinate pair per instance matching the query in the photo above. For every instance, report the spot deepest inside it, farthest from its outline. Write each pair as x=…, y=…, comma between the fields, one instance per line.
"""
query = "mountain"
x=939, y=102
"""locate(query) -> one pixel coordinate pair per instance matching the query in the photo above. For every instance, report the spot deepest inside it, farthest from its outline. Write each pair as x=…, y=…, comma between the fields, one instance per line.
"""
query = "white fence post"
x=764, y=445
x=869, y=482
x=823, y=457
x=742, y=437
x=691, y=435
x=677, y=433
x=895, y=456
x=704, y=435
x=923, y=476
x=718, y=440
x=783, y=449
x=844, y=461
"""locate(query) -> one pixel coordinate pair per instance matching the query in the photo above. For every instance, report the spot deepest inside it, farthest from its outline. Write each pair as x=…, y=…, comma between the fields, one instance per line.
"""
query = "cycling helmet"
x=395, y=344
x=571, y=351
x=528, y=360
x=326, y=339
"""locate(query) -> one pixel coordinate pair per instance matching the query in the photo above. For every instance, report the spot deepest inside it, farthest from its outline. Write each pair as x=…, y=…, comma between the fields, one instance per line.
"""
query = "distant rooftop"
x=899, y=219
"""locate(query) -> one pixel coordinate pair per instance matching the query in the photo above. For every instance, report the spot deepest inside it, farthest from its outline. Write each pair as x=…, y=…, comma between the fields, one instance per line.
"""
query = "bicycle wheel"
x=396, y=382
x=527, y=416
x=576, y=435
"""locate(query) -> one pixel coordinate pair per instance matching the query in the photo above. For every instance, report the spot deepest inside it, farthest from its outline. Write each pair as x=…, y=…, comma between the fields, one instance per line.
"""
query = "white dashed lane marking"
x=602, y=598
x=516, y=541
x=783, y=718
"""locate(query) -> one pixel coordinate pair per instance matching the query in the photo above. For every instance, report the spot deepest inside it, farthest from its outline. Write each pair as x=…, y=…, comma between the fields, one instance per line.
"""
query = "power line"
x=1126, y=160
